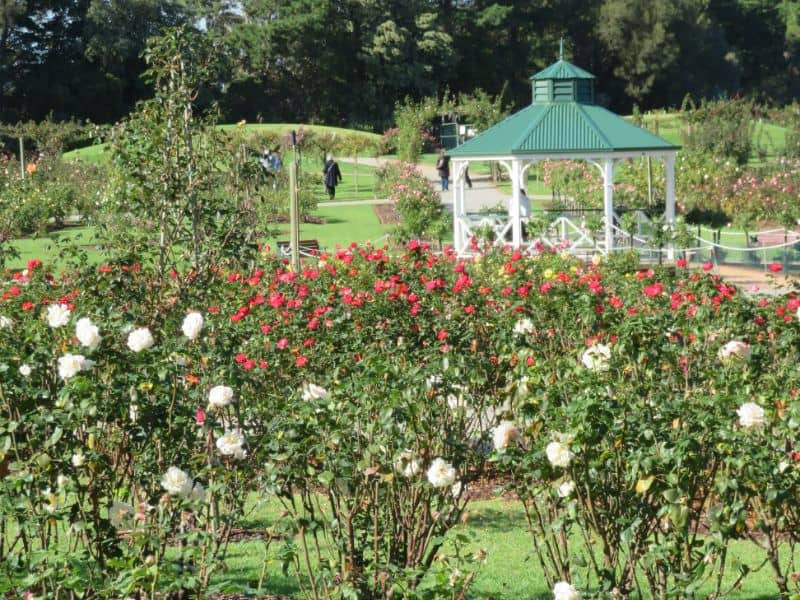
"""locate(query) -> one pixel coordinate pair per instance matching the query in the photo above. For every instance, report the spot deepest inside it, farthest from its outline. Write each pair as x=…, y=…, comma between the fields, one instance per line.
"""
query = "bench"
x=305, y=247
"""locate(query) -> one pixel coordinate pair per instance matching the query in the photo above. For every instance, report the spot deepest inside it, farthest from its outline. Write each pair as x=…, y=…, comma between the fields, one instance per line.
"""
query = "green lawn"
x=511, y=570
x=343, y=224
x=346, y=190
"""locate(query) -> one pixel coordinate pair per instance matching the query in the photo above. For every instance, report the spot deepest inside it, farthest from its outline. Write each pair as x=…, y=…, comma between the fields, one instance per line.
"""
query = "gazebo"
x=562, y=122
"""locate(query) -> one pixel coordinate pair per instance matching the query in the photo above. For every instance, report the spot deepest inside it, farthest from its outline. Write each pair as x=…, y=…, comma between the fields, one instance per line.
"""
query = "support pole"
x=513, y=205
x=669, y=168
x=608, y=203
x=294, y=217
x=458, y=195
x=21, y=158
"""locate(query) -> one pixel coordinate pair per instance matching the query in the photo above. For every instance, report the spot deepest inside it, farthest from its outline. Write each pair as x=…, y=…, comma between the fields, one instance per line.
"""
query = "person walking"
x=331, y=175
x=443, y=168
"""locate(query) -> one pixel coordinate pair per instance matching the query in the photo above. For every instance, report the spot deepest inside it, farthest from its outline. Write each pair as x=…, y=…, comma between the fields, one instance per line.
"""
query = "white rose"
x=78, y=459
x=140, y=339
x=735, y=350
x=564, y=591
x=70, y=365
x=750, y=415
x=119, y=514
x=523, y=327
x=87, y=333
x=505, y=435
x=192, y=325
x=220, y=395
x=230, y=444
x=782, y=466
x=597, y=357
x=407, y=464
x=457, y=489
x=558, y=454
x=58, y=315
x=24, y=370
x=565, y=489
x=314, y=392
x=6, y=323
x=441, y=474
x=177, y=482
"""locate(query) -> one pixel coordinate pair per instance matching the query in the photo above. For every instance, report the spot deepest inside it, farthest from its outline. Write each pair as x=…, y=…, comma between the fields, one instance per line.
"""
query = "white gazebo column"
x=608, y=203
x=513, y=205
x=669, y=214
x=458, y=209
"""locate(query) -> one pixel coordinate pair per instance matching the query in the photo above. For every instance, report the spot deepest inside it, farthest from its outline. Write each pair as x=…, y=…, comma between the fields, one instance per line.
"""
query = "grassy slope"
x=97, y=153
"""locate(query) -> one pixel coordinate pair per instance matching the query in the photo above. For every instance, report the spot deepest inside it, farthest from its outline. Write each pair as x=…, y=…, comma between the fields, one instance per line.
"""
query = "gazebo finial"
x=561, y=50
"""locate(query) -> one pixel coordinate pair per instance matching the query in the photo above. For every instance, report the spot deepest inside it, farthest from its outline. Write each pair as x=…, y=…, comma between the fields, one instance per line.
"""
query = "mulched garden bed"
x=387, y=214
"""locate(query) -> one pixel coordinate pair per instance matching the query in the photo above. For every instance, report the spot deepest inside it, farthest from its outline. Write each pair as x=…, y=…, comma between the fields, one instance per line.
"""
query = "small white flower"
x=782, y=466
x=504, y=435
x=62, y=480
x=565, y=489
x=220, y=395
x=140, y=339
x=78, y=459
x=192, y=325
x=523, y=327
x=58, y=315
x=564, y=591
x=120, y=514
x=133, y=412
x=70, y=365
x=558, y=454
x=314, y=392
x=177, y=482
x=750, y=415
x=87, y=333
x=441, y=474
x=735, y=350
x=231, y=444
x=456, y=489
x=53, y=501
x=24, y=370
x=597, y=357
x=407, y=464
x=5, y=322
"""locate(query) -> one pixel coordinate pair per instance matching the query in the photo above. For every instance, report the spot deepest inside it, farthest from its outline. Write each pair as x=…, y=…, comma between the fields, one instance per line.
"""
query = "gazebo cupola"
x=563, y=82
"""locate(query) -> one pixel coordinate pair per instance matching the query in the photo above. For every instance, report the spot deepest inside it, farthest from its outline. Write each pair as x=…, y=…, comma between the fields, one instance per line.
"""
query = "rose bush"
x=650, y=414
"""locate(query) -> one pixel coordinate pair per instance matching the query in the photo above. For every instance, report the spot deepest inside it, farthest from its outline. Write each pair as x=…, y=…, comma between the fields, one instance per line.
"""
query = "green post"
x=21, y=158
x=294, y=217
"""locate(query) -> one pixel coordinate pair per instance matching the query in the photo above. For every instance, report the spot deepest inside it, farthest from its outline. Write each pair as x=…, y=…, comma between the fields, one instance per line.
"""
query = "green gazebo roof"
x=562, y=119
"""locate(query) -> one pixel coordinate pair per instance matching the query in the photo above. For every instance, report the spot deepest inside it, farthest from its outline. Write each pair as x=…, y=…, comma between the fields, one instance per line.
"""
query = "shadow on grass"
x=510, y=518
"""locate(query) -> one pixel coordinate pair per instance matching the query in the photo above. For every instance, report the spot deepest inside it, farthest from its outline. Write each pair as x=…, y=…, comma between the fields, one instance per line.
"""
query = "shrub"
x=419, y=206
x=721, y=128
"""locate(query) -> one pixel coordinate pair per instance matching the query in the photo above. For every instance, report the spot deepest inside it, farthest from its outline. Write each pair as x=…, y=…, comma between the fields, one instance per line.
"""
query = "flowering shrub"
x=651, y=413
x=419, y=206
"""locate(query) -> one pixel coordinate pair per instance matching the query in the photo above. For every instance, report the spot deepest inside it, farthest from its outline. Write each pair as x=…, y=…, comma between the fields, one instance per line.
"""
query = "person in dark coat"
x=332, y=176
x=443, y=167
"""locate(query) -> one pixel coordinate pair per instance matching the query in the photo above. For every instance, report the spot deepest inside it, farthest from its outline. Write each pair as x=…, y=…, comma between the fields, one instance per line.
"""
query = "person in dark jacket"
x=443, y=167
x=332, y=176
